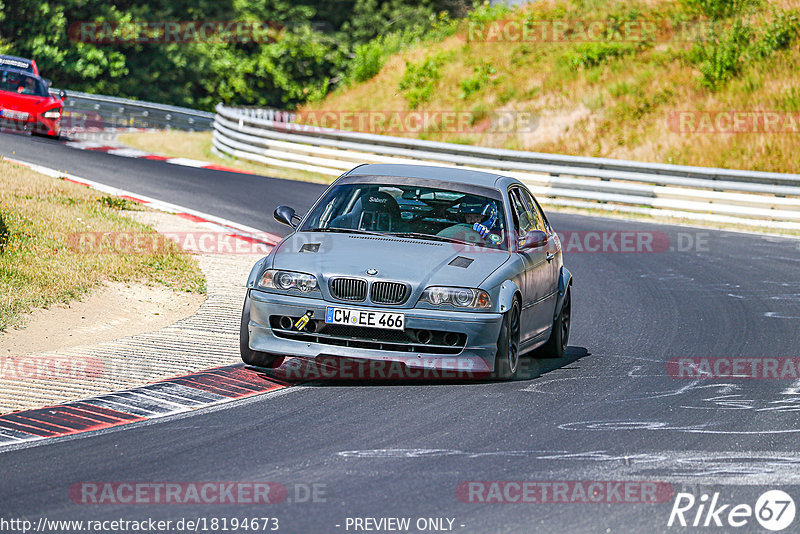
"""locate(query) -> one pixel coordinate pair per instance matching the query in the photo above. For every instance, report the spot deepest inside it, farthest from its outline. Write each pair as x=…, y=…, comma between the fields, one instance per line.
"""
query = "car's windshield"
x=21, y=83
x=411, y=211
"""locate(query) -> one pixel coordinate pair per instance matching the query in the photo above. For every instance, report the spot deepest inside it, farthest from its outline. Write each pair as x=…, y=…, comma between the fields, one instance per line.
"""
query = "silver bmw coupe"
x=422, y=267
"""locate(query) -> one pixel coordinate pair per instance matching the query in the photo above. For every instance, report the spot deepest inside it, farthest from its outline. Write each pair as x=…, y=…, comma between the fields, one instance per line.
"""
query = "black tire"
x=506, y=363
x=45, y=135
x=250, y=356
x=559, y=336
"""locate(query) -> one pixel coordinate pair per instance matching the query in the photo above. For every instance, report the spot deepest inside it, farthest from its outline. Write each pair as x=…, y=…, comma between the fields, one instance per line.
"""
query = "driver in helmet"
x=26, y=86
x=479, y=215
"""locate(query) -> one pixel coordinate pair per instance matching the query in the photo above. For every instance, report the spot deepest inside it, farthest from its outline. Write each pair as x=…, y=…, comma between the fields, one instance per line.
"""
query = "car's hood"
x=418, y=262
x=28, y=103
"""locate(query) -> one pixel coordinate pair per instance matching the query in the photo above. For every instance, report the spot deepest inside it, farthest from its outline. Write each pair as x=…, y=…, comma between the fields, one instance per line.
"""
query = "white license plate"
x=365, y=318
x=9, y=114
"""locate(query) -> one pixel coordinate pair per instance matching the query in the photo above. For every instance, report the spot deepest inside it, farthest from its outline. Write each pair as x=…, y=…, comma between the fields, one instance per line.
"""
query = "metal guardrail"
x=700, y=193
x=85, y=112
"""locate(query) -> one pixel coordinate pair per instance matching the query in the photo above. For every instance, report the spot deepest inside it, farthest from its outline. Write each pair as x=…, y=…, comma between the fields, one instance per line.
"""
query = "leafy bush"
x=721, y=53
x=778, y=35
x=479, y=80
x=719, y=9
x=484, y=12
x=593, y=54
x=117, y=203
x=419, y=79
x=368, y=60
x=790, y=99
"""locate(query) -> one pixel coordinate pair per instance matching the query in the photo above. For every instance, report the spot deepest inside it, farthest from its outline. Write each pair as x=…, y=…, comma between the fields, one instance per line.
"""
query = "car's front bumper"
x=51, y=127
x=33, y=123
x=477, y=355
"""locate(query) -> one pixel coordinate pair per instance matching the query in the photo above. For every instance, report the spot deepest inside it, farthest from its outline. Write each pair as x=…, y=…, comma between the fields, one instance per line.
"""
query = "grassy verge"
x=38, y=267
x=197, y=145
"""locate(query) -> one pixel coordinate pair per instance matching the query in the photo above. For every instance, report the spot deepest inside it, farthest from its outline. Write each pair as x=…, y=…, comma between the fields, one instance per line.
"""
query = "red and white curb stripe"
x=136, y=153
x=247, y=233
x=153, y=401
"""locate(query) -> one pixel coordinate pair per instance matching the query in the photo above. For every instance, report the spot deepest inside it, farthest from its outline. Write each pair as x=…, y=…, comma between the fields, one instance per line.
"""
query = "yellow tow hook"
x=303, y=321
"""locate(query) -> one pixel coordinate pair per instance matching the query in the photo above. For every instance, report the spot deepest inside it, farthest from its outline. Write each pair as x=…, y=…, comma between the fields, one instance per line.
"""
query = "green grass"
x=39, y=264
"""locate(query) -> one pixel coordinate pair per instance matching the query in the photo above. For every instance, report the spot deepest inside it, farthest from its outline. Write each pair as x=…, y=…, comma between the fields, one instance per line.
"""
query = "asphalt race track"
x=609, y=412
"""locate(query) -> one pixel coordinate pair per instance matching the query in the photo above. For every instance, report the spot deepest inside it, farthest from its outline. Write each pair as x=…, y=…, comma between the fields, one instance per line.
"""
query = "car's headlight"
x=286, y=280
x=52, y=114
x=460, y=297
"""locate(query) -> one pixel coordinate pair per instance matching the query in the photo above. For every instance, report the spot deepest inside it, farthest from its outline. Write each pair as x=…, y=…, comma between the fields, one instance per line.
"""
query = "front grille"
x=410, y=340
x=388, y=292
x=352, y=289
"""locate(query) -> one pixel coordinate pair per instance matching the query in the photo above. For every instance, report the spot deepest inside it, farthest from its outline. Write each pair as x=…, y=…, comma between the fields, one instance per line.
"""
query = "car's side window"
x=522, y=217
x=513, y=211
x=533, y=208
x=542, y=216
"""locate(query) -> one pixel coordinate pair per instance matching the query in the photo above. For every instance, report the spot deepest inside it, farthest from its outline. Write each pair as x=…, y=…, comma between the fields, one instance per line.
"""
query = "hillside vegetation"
x=699, y=82
x=197, y=53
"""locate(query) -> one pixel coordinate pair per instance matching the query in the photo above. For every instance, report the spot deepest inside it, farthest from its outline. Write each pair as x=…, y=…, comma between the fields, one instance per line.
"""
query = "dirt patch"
x=553, y=123
x=111, y=311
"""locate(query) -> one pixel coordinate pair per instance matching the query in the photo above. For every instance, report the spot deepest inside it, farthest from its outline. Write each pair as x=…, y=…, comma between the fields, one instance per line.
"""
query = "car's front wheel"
x=506, y=363
x=559, y=336
x=46, y=134
x=250, y=356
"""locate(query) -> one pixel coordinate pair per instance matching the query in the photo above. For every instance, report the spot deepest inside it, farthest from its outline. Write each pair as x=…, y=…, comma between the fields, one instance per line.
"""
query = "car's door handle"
x=550, y=256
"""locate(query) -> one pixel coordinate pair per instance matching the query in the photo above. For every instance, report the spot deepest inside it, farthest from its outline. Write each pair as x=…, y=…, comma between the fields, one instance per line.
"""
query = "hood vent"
x=310, y=247
x=461, y=261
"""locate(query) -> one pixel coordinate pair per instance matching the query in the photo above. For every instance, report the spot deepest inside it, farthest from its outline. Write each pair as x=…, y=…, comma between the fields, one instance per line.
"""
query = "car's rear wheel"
x=250, y=356
x=559, y=336
x=506, y=363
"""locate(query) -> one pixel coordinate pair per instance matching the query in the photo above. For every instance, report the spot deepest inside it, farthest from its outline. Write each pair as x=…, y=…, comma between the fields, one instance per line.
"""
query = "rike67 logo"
x=774, y=510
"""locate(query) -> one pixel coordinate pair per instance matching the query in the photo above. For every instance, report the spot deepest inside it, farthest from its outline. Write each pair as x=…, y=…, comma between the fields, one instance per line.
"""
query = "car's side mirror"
x=286, y=215
x=533, y=239
x=62, y=94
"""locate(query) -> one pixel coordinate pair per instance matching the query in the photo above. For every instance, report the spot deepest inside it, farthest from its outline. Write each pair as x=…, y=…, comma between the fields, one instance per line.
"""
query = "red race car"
x=26, y=103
